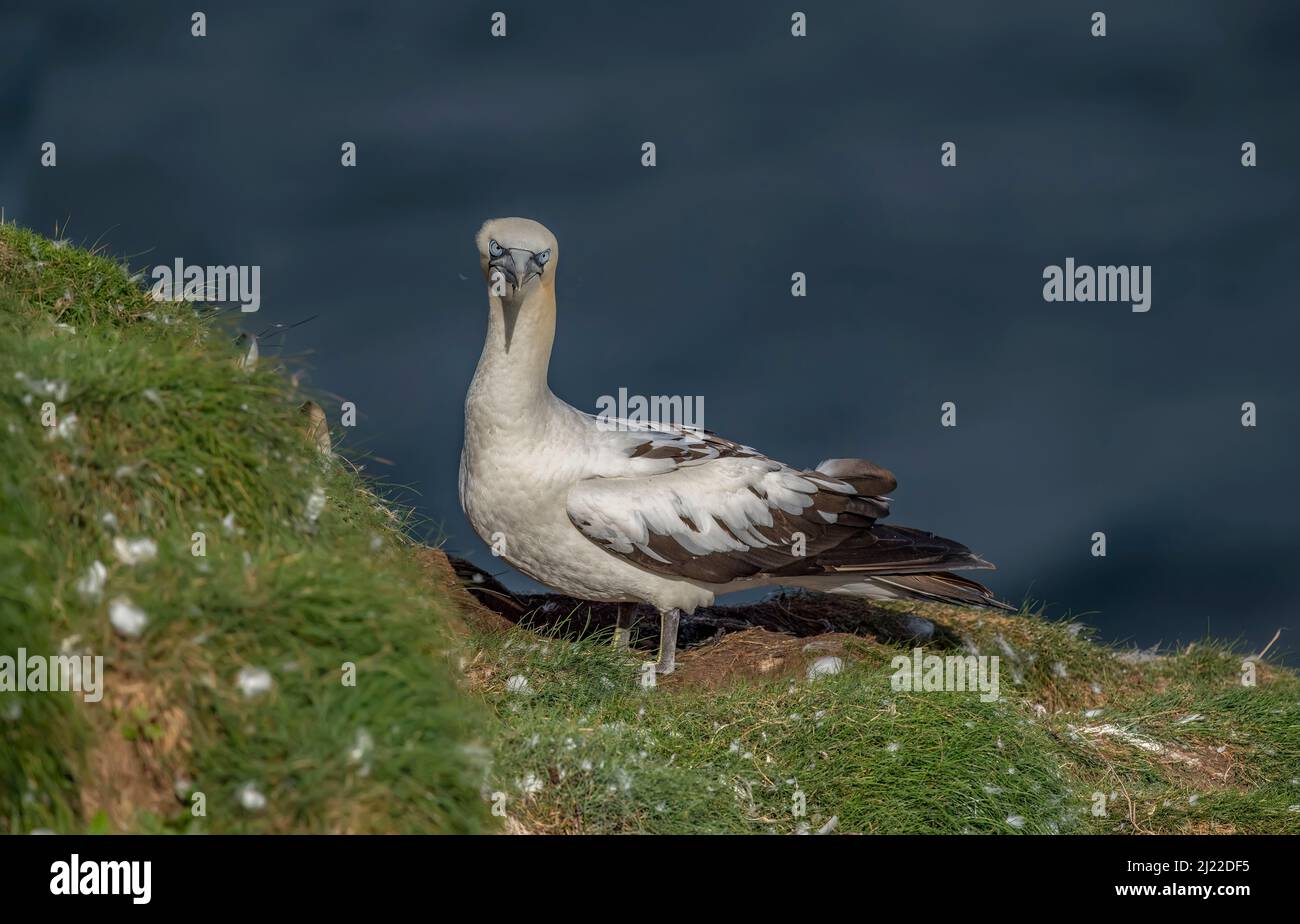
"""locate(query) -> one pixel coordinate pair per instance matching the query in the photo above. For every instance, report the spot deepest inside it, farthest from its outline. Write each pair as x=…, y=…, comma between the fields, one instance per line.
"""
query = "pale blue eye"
x=495, y=249
x=543, y=257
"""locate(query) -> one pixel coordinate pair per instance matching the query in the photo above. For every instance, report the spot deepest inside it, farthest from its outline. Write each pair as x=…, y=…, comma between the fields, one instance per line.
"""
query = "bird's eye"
x=542, y=257
x=495, y=249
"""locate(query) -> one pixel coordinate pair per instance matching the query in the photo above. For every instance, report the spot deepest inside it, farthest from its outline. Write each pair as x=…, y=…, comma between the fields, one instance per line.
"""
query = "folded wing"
x=719, y=512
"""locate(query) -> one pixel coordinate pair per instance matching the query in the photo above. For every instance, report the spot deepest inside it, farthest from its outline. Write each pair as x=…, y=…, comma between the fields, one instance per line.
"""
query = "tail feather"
x=943, y=587
x=931, y=586
x=893, y=563
x=884, y=549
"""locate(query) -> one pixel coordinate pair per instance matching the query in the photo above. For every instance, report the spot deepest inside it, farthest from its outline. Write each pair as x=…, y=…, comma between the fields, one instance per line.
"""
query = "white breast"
x=514, y=483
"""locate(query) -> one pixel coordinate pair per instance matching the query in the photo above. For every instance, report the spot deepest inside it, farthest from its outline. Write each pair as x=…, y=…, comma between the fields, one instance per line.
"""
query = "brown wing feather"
x=839, y=529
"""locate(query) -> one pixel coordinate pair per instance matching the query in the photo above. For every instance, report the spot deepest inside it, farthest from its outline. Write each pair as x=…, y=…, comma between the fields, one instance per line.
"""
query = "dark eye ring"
x=542, y=257
x=495, y=249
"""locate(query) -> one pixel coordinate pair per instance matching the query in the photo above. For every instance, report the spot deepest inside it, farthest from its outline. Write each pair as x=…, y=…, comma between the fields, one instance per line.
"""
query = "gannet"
x=619, y=511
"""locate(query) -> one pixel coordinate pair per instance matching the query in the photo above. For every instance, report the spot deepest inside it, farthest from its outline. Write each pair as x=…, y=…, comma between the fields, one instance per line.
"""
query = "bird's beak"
x=517, y=266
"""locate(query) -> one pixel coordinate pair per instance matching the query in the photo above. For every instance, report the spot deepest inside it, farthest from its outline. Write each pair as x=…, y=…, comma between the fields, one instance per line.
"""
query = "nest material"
x=800, y=614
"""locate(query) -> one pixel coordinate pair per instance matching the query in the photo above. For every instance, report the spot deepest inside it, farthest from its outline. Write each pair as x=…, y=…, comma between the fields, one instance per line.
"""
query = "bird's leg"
x=668, y=621
x=622, y=629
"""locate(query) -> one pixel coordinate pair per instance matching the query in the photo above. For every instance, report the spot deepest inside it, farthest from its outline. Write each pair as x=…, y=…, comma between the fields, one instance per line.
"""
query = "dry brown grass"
x=757, y=654
x=142, y=745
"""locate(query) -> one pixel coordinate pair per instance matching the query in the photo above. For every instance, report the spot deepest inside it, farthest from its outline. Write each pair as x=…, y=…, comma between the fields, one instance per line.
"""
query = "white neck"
x=511, y=376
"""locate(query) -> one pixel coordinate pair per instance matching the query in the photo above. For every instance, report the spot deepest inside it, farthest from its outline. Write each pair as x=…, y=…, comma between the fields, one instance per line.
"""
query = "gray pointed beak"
x=505, y=265
x=517, y=266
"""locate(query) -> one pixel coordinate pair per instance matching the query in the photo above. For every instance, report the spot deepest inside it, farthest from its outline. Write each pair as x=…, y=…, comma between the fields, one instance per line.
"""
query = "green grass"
x=307, y=570
x=172, y=439
x=587, y=750
x=612, y=757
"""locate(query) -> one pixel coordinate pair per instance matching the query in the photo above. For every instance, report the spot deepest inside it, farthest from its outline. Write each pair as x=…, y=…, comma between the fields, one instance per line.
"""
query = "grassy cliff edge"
x=158, y=437
x=305, y=674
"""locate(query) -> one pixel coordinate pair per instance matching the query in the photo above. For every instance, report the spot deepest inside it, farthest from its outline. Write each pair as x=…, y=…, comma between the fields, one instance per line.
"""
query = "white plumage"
x=665, y=515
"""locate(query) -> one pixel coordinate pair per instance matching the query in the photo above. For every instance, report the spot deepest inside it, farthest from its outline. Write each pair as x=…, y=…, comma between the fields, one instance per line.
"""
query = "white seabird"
x=660, y=514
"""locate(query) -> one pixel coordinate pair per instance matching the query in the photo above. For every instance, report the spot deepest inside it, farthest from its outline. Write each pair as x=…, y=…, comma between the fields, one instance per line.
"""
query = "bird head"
x=516, y=253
